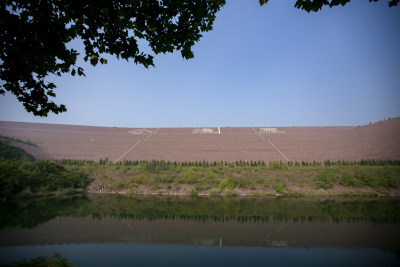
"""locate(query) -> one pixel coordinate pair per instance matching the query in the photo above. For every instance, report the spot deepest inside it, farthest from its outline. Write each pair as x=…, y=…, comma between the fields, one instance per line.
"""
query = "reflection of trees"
x=203, y=210
x=30, y=213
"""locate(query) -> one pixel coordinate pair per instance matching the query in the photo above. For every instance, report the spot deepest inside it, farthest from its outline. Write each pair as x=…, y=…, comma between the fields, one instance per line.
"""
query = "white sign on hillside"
x=140, y=131
x=204, y=131
x=270, y=131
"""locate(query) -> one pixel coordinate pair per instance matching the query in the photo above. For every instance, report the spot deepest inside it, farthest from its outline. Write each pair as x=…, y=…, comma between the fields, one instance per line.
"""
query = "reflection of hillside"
x=350, y=210
x=87, y=230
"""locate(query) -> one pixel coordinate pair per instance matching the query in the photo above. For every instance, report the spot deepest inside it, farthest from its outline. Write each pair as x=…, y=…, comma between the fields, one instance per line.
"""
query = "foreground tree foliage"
x=34, y=36
x=316, y=5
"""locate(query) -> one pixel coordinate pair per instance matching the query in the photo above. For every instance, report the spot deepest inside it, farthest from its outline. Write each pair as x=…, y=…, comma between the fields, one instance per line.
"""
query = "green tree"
x=316, y=5
x=34, y=36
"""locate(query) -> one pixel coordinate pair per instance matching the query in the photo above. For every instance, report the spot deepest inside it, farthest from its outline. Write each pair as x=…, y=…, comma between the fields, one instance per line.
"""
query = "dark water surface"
x=166, y=231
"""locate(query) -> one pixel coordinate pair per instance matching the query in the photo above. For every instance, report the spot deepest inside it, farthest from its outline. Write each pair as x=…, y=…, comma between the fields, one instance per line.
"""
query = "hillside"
x=375, y=141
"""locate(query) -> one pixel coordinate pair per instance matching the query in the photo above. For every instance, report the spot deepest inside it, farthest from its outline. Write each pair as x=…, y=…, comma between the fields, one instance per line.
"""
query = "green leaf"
x=94, y=60
x=51, y=93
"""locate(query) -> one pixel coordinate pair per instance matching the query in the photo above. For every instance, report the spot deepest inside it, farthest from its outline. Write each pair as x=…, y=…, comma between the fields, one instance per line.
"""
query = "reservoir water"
x=169, y=231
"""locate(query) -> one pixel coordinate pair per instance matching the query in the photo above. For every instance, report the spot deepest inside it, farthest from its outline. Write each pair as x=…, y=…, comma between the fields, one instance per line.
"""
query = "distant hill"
x=379, y=140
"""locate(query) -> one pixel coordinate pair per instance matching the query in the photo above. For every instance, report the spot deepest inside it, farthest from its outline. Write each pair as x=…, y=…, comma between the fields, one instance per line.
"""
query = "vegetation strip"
x=21, y=175
x=366, y=177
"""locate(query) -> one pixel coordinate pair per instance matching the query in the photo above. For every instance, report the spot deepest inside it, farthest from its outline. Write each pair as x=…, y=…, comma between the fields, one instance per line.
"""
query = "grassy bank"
x=366, y=177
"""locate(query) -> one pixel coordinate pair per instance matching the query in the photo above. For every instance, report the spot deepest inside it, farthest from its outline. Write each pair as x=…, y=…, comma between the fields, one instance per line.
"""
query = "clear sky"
x=260, y=66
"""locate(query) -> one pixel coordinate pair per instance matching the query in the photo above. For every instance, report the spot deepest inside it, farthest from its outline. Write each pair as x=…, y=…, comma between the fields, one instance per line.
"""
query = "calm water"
x=159, y=231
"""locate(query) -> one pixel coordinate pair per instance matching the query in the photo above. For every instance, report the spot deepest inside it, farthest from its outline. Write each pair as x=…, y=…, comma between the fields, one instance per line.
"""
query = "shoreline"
x=307, y=192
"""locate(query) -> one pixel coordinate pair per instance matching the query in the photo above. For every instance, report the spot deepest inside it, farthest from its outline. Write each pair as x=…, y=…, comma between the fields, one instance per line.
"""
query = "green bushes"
x=283, y=178
x=390, y=177
x=38, y=176
x=326, y=179
x=349, y=180
x=191, y=177
x=227, y=183
x=9, y=177
x=9, y=152
x=378, y=177
x=241, y=183
x=280, y=185
x=121, y=184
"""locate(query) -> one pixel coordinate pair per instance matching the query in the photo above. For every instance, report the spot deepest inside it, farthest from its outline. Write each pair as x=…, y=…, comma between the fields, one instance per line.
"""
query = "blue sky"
x=260, y=66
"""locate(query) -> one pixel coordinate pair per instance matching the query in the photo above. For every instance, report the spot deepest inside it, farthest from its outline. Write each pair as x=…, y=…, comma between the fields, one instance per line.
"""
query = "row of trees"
x=251, y=163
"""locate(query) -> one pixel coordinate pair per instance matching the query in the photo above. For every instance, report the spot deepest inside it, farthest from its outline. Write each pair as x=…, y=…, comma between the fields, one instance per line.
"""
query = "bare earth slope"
x=375, y=141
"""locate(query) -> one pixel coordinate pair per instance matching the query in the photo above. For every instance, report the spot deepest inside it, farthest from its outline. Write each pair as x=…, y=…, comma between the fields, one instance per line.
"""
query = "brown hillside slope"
x=375, y=141
x=379, y=140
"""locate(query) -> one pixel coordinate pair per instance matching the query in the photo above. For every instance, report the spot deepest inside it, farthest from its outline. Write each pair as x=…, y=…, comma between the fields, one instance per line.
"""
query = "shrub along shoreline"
x=23, y=176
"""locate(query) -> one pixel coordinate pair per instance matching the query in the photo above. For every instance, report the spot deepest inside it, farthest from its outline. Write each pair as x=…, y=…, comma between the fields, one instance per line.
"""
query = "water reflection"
x=274, y=223
x=30, y=213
